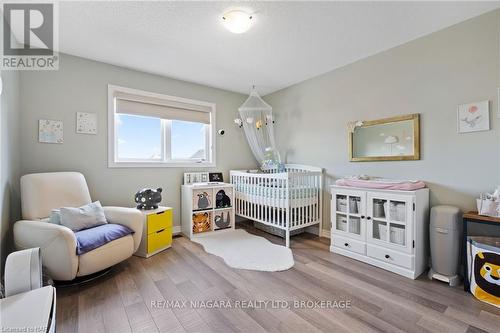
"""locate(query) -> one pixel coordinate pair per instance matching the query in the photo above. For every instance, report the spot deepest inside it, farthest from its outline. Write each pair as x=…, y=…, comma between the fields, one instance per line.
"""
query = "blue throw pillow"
x=55, y=216
x=92, y=238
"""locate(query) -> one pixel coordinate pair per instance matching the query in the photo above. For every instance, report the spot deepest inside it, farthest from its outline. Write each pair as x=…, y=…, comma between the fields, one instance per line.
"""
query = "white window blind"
x=181, y=131
x=164, y=109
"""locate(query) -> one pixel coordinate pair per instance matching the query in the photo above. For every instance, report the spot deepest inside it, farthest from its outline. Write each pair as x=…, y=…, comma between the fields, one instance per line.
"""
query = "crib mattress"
x=297, y=192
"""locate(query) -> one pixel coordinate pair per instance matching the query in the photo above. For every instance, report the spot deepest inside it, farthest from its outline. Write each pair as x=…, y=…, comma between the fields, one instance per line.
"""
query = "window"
x=153, y=130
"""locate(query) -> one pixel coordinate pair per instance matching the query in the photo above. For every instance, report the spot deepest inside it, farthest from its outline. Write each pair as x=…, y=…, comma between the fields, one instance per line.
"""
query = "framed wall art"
x=50, y=131
x=473, y=117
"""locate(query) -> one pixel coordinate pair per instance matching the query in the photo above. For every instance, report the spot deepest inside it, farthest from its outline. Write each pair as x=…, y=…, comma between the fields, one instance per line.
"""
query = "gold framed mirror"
x=389, y=139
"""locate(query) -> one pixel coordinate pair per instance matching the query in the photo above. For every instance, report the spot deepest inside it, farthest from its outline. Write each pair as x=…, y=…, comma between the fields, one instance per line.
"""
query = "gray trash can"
x=444, y=236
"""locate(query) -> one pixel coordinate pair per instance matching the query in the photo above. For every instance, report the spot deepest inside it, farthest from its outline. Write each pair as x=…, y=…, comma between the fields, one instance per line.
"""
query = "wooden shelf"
x=476, y=216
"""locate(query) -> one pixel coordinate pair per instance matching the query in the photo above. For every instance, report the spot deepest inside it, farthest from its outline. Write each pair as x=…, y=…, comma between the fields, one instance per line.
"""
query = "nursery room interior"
x=253, y=166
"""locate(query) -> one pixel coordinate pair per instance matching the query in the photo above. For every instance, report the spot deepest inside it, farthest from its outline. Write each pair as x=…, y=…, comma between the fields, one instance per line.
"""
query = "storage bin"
x=341, y=223
x=379, y=209
x=354, y=206
x=342, y=205
x=483, y=258
x=382, y=232
x=354, y=226
x=397, y=235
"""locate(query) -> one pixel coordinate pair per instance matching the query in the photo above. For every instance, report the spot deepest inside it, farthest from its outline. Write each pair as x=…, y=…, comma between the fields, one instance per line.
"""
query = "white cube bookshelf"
x=207, y=208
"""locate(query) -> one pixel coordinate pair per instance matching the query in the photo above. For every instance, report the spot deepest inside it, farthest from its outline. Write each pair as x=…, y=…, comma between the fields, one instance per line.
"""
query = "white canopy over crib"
x=258, y=124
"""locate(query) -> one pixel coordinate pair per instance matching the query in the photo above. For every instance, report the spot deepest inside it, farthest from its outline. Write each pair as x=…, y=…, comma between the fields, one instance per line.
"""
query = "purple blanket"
x=92, y=238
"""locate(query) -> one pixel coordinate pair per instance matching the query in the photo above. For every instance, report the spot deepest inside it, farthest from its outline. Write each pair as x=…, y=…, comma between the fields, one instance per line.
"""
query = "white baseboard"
x=176, y=230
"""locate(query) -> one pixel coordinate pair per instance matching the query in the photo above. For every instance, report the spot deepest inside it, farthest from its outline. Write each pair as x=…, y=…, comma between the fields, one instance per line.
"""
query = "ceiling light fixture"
x=237, y=21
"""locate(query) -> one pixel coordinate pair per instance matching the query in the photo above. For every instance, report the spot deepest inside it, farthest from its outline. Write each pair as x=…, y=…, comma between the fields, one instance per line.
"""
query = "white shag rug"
x=239, y=249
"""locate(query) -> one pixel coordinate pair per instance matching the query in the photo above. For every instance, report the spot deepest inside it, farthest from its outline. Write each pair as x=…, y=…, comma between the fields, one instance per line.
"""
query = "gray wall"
x=81, y=85
x=430, y=76
x=9, y=160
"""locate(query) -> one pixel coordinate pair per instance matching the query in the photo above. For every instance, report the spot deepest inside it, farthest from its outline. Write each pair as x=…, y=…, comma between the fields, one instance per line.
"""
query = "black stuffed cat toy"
x=148, y=198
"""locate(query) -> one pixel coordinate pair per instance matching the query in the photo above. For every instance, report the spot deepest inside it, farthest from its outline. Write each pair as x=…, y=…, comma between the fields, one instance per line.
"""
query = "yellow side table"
x=157, y=232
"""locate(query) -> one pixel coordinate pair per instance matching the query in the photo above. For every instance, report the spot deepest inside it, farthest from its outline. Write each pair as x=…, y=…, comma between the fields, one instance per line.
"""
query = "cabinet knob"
x=346, y=244
x=387, y=256
x=368, y=218
x=362, y=216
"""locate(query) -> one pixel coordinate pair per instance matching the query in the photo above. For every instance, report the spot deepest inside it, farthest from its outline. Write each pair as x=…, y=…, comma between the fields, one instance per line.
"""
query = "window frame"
x=166, y=124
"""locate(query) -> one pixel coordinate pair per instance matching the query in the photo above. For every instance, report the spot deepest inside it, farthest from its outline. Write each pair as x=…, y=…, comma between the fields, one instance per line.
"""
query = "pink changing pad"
x=380, y=183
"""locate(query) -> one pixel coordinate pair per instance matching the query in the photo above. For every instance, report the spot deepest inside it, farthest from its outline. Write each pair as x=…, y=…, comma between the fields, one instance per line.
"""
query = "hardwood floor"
x=129, y=299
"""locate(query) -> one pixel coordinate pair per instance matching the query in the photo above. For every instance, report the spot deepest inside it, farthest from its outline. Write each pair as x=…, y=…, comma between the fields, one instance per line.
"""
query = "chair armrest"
x=129, y=217
x=57, y=245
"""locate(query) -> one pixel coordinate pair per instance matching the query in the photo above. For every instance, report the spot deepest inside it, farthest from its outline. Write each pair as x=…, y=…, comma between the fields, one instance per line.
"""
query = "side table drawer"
x=159, y=239
x=159, y=221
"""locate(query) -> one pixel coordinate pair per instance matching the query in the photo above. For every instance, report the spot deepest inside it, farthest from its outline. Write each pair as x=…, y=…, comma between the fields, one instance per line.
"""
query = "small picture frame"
x=195, y=177
x=50, y=131
x=473, y=117
x=86, y=123
x=215, y=177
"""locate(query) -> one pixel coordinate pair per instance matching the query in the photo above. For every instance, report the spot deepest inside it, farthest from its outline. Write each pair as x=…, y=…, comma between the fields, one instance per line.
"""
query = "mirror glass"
x=388, y=139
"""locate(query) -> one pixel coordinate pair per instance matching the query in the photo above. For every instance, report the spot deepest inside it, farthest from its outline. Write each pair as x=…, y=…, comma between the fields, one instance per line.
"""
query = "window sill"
x=160, y=165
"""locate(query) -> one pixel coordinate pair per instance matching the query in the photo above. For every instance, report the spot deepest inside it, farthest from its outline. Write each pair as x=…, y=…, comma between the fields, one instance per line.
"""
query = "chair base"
x=82, y=279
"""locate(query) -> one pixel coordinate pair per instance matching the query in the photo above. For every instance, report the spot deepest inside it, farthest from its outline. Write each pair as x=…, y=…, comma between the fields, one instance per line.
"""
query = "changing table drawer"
x=389, y=256
x=349, y=244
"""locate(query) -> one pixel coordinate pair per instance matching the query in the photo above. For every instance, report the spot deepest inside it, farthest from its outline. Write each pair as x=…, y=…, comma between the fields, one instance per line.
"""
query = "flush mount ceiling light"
x=237, y=21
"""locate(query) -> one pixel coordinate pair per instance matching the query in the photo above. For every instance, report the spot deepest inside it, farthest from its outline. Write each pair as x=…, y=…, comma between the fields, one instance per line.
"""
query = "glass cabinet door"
x=349, y=213
x=389, y=220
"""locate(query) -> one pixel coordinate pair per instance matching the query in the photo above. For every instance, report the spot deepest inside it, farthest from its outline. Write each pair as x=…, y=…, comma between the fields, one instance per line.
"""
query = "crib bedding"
x=296, y=192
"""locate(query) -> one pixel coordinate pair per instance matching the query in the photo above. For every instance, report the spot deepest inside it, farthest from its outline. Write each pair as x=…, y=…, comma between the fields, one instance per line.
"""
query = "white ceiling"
x=289, y=42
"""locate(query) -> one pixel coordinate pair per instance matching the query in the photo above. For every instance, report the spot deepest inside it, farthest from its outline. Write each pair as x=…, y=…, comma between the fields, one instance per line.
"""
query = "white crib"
x=288, y=200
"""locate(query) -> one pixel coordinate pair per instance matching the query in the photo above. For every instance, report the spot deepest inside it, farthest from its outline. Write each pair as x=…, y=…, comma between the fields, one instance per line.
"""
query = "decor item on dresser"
x=215, y=177
x=50, y=131
x=148, y=198
x=195, y=177
x=157, y=231
x=473, y=117
x=390, y=139
x=199, y=214
x=489, y=204
x=388, y=228
x=286, y=201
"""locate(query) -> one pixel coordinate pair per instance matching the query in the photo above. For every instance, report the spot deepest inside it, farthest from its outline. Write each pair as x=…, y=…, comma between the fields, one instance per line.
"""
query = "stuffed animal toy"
x=201, y=222
x=148, y=198
x=258, y=124
x=222, y=200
